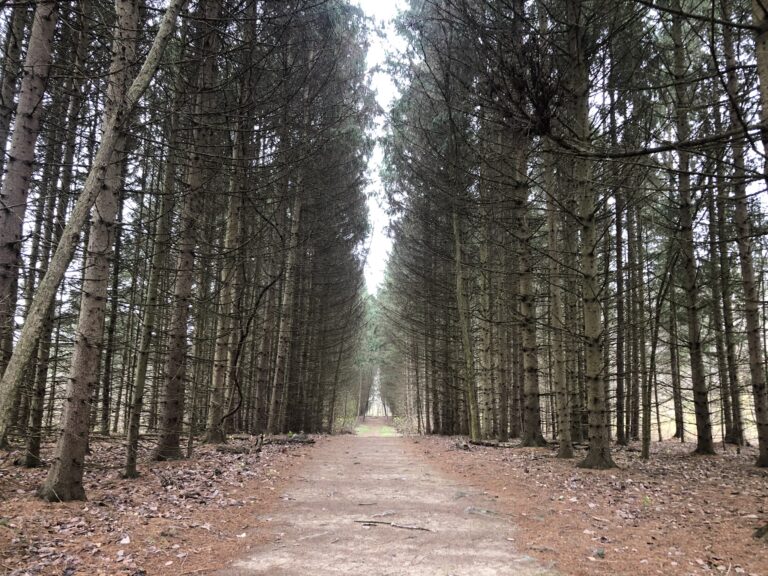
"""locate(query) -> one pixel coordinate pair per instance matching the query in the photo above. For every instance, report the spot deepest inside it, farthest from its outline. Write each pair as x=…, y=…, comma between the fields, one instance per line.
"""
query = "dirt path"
x=419, y=521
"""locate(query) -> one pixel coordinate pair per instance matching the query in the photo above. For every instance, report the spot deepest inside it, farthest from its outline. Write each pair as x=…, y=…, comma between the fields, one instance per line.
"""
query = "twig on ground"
x=392, y=524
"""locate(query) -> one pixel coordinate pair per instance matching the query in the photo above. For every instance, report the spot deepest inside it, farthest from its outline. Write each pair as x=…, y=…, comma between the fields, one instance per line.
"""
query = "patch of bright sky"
x=383, y=12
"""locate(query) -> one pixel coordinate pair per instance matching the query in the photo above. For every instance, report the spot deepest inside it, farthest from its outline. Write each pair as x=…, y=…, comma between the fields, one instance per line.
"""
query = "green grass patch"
x=376, y=431
x=387, y=431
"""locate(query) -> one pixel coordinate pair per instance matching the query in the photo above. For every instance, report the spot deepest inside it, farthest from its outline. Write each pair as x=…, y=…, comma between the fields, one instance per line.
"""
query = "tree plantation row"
x=579, y=220
x=577, y=194
x=183, y=223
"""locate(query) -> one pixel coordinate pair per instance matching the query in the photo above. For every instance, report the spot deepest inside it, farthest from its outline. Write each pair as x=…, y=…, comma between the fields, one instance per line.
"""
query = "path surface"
x=422, y=523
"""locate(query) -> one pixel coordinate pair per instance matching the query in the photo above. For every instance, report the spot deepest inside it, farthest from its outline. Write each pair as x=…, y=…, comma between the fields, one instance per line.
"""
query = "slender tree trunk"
x=503, y=367
x=215, y=432
x=264, y=362
x=717, y=319
x=152, y=297
x=726, y=296
x=14, y=38
x=559, y=377
x=53, y=230
x=43, y=211
x=487, y=353
x=636, y=238
x=677, y=393
x=21, y=162
x=107, y=372
x=64, y=481
x=704, y=443
x=37, y=381
x=466, y=339
x=532, y=435
x=744, y=240
x=752, y=315
x=198, y=174
x=286, y=313
x=35, y=320
x=599, y=454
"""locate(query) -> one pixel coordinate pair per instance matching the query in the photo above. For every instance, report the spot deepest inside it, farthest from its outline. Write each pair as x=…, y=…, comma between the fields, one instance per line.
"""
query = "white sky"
x=383, y=11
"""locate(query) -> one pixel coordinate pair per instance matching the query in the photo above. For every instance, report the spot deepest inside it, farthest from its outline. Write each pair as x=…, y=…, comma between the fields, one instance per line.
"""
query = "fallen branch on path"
x=491, y=443
x=392, y=524
x=289, y=440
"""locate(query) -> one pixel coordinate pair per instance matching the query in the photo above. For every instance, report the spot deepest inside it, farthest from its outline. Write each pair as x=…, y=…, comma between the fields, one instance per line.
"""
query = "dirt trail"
x=421, y=522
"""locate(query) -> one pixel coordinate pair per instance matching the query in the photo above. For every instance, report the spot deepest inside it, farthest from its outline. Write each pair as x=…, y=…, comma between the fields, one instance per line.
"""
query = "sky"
x=383, y=11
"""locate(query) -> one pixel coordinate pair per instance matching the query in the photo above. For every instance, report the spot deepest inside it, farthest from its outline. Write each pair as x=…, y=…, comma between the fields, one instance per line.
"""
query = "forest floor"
x=677, y=514
x=380, y=504
x=185, y=517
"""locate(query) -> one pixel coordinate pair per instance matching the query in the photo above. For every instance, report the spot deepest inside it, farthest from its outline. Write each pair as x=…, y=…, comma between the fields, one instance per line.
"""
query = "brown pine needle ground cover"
x=183, y=517
x=677, y=514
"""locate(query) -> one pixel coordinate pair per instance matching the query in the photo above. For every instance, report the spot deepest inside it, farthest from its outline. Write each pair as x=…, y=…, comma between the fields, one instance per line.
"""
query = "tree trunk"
x=152, y=297
x=286, y=314
x=599, y=454
x=107, y=374
x=35, y=320
x=466, y=339
x=14, y=38
x=65, y=478
x=689, y=269
x=717, y=318
x=53, y=230
x=744, y=241
x=557, y=317
x=215, y=432
x=21, y=162
x=532, y=435
x=725, y=297
x=198, y=174
x=677, y=393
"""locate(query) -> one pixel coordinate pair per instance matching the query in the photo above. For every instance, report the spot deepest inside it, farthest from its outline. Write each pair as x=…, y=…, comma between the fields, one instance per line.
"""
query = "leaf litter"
x=675, y=514
x=178, y=517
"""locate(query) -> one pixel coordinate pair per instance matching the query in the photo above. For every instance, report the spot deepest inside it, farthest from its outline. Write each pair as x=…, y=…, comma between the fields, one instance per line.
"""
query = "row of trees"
x=579, y=226
x=219, y=147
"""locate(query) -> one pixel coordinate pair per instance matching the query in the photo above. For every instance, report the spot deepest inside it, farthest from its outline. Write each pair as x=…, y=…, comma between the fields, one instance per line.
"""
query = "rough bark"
x=717, y=320
x=228, y=288
x=34, y=323
x=532, y=435
x=14, y=38
x=726, y=296
x=65, y=478
x=744, y=241
x=677, y=392
x=21, y=163
x=53, y=230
